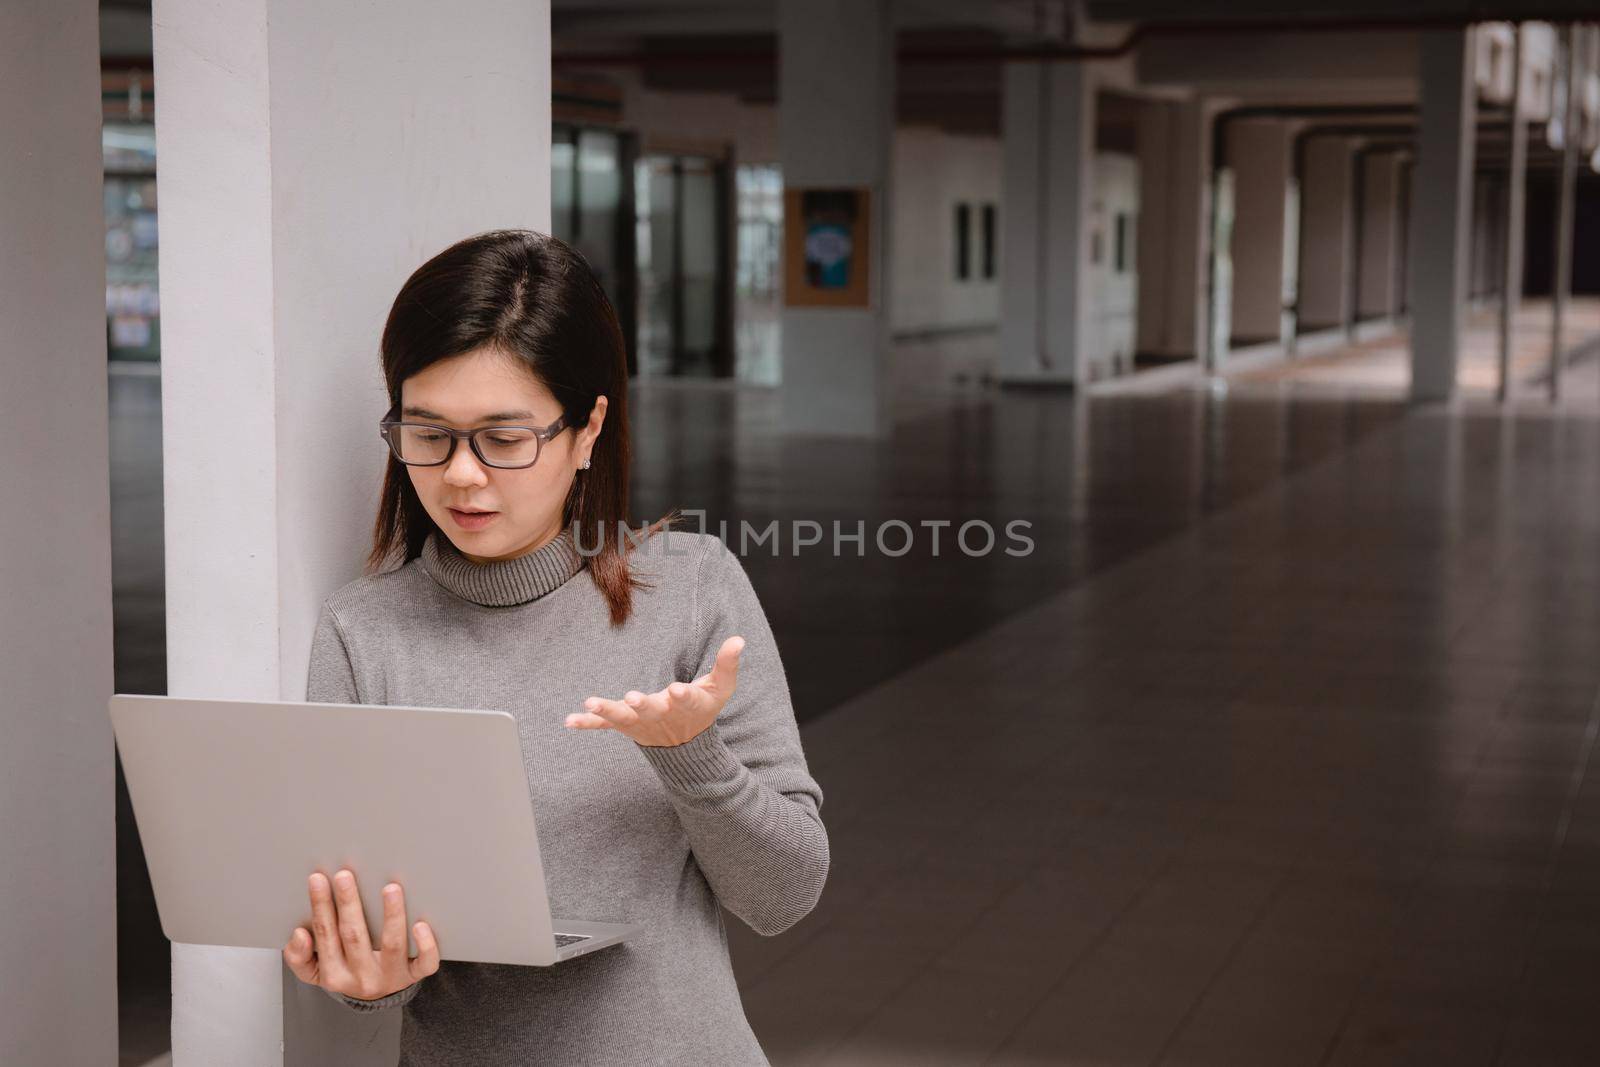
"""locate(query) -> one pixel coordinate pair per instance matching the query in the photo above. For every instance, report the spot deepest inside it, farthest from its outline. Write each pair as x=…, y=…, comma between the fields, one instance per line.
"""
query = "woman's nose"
x=464, y=468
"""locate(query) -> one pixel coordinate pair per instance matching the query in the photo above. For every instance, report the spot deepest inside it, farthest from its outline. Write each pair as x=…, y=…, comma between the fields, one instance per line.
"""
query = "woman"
x=658, y=799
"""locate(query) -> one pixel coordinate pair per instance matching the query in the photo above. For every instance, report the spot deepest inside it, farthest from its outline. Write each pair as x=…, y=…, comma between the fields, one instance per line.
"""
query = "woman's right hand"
x=337, y=952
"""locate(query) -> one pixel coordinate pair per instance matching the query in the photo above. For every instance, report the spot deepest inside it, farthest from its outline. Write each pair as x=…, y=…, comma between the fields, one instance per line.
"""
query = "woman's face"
x=485, y=387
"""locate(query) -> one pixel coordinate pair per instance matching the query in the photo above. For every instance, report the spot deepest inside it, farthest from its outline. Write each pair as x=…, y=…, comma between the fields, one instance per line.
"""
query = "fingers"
x=636, y=707
x=325, y=922
x=613, y=712
x=297, y=954
x=427, y=960
x=705, y=695
x=680, y=695
x=689, y=698
x=337, y=954
x=647, y=705
x=725, y=672
x=352, y=919
x=393, y=936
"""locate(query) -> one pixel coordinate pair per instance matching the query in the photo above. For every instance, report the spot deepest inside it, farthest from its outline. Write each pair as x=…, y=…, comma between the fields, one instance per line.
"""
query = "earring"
x=585, y=464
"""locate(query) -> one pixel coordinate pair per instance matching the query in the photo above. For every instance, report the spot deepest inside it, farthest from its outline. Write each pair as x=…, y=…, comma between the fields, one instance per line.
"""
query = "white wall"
x=312, y=156
x=934, y=171
x=931, y=172
x=58, y=907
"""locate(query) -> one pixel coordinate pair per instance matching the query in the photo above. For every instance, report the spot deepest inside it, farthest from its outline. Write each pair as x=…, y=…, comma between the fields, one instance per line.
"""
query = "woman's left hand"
x=676, y=714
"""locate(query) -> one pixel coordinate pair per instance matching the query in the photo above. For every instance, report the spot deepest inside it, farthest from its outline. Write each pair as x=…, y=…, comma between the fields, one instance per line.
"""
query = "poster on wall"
x=826, y=254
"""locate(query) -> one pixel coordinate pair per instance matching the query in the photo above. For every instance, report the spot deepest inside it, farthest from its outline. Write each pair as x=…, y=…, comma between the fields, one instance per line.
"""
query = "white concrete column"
x=311, y=156
x=58, y=923
x=1048, y=125
x=1327, y=239
x=1571, y=69
x=1441, y=211
x=1380, y=236
x=1258, y=156
x=1515, y=208
x=1022, y=209
x=835, y=128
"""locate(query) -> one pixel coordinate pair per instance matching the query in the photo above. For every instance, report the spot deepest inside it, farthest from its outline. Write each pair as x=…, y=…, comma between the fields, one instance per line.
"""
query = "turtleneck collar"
x=504, y=582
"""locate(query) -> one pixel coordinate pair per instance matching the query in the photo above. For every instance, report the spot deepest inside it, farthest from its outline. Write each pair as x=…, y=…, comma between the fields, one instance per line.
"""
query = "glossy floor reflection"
x=1382, y=365
x=1093, y=484
x=1308, y=782
x=1273, y=750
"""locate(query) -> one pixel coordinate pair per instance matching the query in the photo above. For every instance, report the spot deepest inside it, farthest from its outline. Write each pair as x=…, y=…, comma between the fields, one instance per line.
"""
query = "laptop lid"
x=238, y=801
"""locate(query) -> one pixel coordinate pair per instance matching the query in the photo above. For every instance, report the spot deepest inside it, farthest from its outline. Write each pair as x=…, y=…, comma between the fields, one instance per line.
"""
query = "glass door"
x=685, y=311
x=759, y=273
x=592, y=209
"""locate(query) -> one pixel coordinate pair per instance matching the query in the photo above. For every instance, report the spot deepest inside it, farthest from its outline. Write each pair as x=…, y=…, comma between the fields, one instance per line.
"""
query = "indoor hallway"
x=1272, y=744
x=1305, y=780
x=1099, y=485
x=1272, y=751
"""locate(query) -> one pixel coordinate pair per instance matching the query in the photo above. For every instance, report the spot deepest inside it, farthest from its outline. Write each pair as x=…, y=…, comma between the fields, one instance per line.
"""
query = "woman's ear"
x=597, y=418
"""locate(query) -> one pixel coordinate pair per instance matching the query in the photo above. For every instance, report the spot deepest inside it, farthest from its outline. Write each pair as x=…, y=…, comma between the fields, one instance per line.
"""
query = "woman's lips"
x=473, y=520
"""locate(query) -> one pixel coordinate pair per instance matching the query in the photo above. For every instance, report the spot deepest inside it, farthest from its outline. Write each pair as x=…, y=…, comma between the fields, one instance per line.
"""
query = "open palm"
x=673, y=715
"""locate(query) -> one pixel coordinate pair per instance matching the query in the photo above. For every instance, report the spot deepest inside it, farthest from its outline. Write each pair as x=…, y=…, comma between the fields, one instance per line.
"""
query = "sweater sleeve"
x=741, y=786
x=331, y=679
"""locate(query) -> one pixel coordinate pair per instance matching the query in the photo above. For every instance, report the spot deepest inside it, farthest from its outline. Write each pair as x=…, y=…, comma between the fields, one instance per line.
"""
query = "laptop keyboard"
x=563, y=940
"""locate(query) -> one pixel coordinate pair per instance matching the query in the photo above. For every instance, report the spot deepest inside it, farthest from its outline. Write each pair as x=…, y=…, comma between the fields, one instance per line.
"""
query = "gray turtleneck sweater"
x=628, y=833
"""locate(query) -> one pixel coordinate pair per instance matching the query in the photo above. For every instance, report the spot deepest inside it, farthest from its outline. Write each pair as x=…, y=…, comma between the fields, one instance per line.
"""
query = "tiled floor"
x=1273, y=751
x=1097, y=484
x=1382, y=365
x=1306, y=783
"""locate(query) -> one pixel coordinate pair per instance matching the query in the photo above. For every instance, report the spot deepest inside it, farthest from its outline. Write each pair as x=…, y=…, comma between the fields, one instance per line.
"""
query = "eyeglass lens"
x=507, y=446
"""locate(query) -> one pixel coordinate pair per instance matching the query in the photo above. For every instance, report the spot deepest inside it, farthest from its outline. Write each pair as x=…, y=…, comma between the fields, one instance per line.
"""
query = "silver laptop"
x=238, y=801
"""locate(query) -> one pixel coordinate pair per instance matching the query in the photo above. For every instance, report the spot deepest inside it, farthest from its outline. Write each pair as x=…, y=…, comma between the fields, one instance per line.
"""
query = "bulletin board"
x=827, y=254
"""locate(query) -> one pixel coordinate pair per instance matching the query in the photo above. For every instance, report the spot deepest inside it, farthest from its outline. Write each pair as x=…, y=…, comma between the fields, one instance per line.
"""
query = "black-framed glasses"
x=423, y=444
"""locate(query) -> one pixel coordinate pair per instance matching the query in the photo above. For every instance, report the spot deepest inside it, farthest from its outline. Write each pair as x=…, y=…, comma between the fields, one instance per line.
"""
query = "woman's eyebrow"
x=499, y=416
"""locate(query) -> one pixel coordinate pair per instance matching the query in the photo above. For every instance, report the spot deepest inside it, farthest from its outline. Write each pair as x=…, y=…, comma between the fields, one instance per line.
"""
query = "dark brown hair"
x=534, y=298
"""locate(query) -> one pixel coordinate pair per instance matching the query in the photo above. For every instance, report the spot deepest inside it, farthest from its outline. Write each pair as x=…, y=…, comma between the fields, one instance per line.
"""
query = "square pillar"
x=58, y=882
x=835, y=128
x=1174, y=232
x=311, y=157
x=1380, y=236
x=1048, y=157
x=1258, y=158
x=1441, y=211
x=1327, y=213
x=1515, y=208
x=1158, y=178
